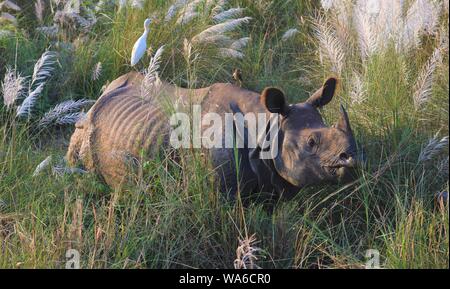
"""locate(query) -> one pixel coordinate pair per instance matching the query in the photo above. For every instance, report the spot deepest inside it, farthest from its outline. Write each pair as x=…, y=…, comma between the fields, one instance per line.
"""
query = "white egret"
x=140, y=47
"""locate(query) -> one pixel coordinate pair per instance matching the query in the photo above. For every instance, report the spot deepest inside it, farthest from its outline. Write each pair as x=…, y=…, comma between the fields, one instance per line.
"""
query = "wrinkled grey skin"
x=310, y=153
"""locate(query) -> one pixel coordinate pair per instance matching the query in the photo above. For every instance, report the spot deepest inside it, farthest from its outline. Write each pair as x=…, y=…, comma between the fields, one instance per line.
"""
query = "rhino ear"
x=343, y=122
x=274, y=100
x=325, y=94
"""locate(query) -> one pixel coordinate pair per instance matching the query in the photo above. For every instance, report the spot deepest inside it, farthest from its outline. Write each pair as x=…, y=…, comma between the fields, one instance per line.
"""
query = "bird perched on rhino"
x=140, y=47
x=237, y=76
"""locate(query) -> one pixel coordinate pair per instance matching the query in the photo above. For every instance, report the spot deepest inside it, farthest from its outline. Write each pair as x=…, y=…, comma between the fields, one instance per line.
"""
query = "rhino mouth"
x=339, y=172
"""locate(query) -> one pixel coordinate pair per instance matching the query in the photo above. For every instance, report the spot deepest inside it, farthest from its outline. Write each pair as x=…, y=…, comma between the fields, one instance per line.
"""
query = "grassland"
x=396, y=91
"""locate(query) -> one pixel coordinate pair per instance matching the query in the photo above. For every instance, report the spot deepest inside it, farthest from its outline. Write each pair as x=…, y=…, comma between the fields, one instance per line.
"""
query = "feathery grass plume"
x=231, y=53
x=43, y=68
x=221, y=28
x=64, y=113
x=10, y=5
x=137, y=4
x=358, y=91
x=443, y=167
x=434, y=147
x=122, y=4
x=39, y=10
x=8, y=17
x=228, y=14
x=247, y=254
x=377, y=23
x=289, y=34
x=327, y=4
x=13, y=87
x=100, y=5
x=218, y=39
x=366, y=36
x=330, y=46
x=240, y=43
x=3, y=205
x=5, y=33
x=219, y=6
x=422, y=18
x=61, y=170
x=173, y=9
x=42, y=166
x=70, y=118
x=424, y=84
x=189, y=12
x=97, y=71
x=49, y=31
x=151, y=74
x=27, y=105
x=188, y=54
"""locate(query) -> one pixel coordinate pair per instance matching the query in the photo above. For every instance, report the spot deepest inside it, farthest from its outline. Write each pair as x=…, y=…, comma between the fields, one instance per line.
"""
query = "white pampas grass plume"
x=228, y=14
x=43, y=68
x=49, y=31
x=221, y=28
x=137, y=4
x=189, y=12
x=443, y=166
x=39, y=10
x=151, y=74
x=247, y=254
x=289, y=34
x=329, y=45
x=61, y=170
x=97, y=71
x=218, y=39
x=231, y=53
x=187, y=50
x=3, y=205
x=5, y=33
x=219, y=6
x=424, y=84
x=240, y=43
x=9, y=5
x=8, y=17
x=70, y=118
x=42, y=166
x=122, y=4
x=327, y=4
x=434, y=147
x=27, y=105
x=64, y=113
x=13, y=87
x=173, y=9
x=366, y=35
x=358, y=91
x=422, y=18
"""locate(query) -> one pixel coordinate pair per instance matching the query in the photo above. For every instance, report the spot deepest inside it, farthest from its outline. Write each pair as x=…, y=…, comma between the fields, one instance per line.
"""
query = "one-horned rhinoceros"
x=123, y=124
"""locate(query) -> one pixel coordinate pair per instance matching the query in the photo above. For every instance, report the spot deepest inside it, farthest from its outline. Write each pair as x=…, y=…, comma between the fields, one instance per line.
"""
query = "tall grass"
x=394, y=85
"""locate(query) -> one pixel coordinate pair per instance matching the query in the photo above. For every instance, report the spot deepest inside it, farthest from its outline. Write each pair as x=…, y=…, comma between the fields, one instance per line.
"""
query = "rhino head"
x=309, y=152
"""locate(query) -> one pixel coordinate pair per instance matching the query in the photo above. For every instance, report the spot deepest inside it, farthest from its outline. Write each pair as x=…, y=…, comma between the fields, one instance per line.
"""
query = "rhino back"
x=126, y=129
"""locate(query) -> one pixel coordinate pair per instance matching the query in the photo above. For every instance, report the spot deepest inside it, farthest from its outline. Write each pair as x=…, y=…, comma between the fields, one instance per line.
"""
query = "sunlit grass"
x=179, y=219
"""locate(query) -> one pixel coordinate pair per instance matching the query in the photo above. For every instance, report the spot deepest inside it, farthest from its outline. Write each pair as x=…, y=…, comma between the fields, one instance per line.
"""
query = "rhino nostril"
x=344, y=156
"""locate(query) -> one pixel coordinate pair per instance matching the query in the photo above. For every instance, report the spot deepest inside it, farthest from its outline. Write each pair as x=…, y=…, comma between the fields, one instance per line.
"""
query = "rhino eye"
x=311, y=142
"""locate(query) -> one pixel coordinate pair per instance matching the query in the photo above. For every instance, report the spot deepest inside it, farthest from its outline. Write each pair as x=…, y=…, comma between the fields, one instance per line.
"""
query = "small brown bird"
x=237, y=76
